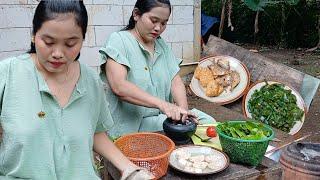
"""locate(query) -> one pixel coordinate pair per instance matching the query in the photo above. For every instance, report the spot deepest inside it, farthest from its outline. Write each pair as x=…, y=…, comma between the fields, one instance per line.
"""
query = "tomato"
x=211, y=131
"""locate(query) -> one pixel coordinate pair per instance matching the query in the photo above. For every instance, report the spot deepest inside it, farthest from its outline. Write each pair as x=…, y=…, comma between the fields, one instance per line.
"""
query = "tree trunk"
x=222, y=18
x=318, y=45
x=229, y=15
x=283, y=22
x=256, y=27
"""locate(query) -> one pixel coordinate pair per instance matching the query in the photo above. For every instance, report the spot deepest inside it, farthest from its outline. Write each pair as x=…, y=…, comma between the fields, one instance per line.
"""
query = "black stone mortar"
x=179, y=132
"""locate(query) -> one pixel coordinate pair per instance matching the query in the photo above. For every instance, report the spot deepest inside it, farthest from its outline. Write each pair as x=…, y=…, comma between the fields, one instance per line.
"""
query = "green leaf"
x=245, y=130
x=292, y=2
x=256, y=5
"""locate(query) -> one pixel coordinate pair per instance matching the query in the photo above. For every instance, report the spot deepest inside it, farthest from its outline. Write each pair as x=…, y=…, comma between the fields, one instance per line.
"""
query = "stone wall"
x=105, y=17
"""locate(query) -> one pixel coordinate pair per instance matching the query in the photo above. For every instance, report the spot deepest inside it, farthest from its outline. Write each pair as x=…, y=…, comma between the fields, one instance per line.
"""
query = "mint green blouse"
x=58, y=145
x=153, y=75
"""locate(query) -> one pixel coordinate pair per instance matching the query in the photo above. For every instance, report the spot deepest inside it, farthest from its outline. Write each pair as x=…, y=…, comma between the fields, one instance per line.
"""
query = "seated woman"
x=53, y=109
x=141, y=72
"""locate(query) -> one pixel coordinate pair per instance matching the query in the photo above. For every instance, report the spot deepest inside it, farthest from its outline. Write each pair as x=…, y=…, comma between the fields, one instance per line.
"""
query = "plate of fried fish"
x=220, y=79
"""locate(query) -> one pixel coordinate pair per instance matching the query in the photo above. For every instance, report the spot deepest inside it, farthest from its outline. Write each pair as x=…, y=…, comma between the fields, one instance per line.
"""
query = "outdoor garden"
x=286, y=31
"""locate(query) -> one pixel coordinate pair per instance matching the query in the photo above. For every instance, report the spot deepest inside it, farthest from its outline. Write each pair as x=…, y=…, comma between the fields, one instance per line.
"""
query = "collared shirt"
x=151, y=73
x=41, y=140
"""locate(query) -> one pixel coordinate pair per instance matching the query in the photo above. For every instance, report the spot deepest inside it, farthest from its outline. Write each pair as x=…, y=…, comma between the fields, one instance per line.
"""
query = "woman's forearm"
x=178, y=91
x=131, y=93
x=127, y=91
x=106, y=148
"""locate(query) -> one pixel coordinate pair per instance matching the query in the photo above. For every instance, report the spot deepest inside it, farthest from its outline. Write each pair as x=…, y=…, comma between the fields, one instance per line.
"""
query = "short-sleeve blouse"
x=40, y=139
x=153, y=74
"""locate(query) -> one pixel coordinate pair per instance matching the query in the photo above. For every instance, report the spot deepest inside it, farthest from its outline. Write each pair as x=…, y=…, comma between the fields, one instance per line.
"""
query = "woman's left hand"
x=191, y=116
x=175, y=112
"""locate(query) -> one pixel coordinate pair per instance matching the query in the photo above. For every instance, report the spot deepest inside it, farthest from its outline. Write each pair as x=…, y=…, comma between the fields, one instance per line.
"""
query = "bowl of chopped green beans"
x=275, y=104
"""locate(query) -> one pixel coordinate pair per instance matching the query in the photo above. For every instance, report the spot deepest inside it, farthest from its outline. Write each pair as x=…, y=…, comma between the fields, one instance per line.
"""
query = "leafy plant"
x=287, y=23
x=248, y=130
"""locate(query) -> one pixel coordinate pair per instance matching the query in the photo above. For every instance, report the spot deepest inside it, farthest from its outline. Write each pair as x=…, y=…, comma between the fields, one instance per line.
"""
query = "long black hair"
x=144, y=6
x=50, y=9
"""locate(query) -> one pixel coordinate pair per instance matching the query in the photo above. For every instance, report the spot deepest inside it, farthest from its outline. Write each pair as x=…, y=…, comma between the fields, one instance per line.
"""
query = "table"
x=268, y=169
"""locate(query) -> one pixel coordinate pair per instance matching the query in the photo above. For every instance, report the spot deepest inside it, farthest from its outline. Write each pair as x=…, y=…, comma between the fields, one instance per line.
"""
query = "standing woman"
x=141, y=72
x=53, y=108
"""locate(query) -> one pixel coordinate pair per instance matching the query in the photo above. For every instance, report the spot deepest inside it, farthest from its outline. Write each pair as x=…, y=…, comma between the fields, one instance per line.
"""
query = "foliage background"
x=280, y=24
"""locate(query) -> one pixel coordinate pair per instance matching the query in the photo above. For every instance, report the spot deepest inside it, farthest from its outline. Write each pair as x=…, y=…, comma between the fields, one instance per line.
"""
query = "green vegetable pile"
x=275, y=106
x=247, y=130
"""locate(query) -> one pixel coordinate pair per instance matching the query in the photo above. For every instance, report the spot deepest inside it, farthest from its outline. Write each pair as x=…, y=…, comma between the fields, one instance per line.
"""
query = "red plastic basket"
x=148, y=150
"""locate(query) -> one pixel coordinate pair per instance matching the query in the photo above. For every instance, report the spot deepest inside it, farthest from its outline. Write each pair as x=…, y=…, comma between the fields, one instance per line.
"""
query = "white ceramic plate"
x=259, y=85
x=200, y=150
x=224, y=97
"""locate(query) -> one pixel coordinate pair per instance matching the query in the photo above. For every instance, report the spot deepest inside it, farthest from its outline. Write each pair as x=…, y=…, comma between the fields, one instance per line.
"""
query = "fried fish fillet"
x=213, y=89
x=217, y=77
x=197, y=72
x=218, y=70
x=205, y=77
x=224, y=63
x=235, y=76
x=224, y=80
x=204, y=80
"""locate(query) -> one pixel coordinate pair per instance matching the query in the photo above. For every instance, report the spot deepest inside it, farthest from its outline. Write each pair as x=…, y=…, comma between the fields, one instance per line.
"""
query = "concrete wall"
x=105, y=17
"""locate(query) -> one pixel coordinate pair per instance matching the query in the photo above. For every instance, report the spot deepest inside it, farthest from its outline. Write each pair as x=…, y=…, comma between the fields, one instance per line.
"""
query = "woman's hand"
x=190, y=116
x=133, y=172
x=180, y=98
x=176, y=113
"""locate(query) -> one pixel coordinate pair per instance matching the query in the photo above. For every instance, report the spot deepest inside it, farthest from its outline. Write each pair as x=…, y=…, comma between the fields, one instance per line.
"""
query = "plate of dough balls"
x=198, y=160
x=220, y=79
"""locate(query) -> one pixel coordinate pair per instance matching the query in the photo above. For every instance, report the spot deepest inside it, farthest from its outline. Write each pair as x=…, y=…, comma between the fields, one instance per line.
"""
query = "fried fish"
x=213, y=89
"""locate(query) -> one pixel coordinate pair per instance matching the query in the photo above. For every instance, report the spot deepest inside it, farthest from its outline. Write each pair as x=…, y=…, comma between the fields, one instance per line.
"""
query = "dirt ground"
x=309, y=63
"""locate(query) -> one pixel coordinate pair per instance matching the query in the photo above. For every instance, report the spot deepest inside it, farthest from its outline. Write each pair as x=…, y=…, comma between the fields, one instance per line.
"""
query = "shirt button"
x=146, y=68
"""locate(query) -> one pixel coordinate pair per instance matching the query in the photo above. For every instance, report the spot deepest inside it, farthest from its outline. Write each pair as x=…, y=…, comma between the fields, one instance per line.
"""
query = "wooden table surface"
x=268, y=169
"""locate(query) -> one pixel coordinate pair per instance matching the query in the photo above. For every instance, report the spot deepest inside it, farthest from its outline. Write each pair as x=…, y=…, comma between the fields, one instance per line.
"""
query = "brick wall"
x=105, y=17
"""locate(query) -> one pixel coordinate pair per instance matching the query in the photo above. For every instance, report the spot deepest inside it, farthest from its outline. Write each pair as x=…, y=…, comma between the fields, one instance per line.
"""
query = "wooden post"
x=197, y=30
x=222, y=18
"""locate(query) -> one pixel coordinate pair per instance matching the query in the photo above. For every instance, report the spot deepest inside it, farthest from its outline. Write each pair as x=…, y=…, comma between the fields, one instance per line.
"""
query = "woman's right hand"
x=175, y=112
x=134, y=172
